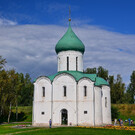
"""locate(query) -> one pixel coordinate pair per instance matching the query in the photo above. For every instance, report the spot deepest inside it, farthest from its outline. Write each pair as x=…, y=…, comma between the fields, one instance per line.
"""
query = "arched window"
x=43, y=91
x=85, y=91
x=105, y=101
x=67, y=63
x=76, y=63
x=64, y=91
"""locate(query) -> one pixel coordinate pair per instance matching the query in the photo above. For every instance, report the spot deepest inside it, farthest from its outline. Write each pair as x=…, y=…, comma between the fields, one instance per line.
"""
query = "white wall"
x=85, y=103
x=62, y=60
x=106, y=110
x=60, y=102
x=40, y=103
x=98, y=106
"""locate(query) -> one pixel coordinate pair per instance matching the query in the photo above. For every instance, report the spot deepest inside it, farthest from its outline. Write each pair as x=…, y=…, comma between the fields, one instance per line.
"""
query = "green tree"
x=102, y=72
x=27, y=91
x=91, y=70
x=2, y=62
x=131, y=88
x=115, y=112
x=118, y=89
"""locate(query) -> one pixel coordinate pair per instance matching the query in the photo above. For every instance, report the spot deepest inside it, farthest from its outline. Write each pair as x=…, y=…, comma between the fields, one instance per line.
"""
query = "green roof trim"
x=70, y=42
x=100, y=81
x=79, y=75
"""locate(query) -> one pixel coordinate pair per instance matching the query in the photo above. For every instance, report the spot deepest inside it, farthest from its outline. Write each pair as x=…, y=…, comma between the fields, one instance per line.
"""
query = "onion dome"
x=69, y=42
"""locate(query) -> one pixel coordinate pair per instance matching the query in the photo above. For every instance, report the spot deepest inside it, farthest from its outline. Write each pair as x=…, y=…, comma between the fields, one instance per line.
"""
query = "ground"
x=9, y=130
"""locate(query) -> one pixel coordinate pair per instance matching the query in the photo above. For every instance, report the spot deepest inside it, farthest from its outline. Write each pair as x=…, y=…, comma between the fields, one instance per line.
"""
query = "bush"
x=115, y=112
x=21, y=117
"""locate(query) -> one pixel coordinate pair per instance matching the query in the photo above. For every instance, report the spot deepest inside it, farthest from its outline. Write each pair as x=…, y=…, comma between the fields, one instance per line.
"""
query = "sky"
x=30, y=29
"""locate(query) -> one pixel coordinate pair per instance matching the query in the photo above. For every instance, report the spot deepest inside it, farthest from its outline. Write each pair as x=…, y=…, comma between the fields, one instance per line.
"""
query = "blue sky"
x=30, y=29
x=117, y=15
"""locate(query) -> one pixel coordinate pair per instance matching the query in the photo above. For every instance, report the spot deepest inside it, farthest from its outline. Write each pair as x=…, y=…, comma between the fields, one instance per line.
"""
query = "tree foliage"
x=131, y=88
x=15, y=89
x=100, y=71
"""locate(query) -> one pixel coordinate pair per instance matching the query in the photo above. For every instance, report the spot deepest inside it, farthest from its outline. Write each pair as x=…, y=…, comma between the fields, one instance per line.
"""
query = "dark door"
x=64, y=117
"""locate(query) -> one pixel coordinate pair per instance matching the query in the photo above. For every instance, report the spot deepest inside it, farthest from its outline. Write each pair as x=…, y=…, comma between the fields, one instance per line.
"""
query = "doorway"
x=64, y=117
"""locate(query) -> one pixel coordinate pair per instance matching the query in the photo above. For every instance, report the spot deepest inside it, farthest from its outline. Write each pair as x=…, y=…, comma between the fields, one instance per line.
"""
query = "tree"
x=115, y=113
x=91, y=70
x=27, y=91
x=131, y=87
x=2, y=62
x=102, y=72
x=118, y=90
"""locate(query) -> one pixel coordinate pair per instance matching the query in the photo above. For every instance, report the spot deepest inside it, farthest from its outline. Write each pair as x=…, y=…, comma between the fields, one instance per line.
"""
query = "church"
x=71, y=97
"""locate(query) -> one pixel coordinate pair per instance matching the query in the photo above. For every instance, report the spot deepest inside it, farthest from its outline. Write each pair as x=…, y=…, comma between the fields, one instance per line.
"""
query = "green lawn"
x=6, y=129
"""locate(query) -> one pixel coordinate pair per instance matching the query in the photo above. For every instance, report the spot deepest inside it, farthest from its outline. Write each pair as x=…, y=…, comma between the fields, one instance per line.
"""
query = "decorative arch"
x=85, y=78
x=62, y=74
x=42, y=78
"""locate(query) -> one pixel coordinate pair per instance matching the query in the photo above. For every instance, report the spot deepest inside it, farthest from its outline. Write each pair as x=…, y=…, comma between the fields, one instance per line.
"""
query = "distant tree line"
x=119, y=92
x=16, y=89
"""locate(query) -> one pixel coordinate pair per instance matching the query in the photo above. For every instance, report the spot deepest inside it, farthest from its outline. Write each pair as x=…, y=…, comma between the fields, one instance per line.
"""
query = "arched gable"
x=84, y=78
x=63, y=74
x=42, y=78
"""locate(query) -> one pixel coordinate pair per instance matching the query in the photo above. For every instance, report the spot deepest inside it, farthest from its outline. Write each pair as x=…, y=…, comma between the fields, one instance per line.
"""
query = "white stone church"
x=71, y=97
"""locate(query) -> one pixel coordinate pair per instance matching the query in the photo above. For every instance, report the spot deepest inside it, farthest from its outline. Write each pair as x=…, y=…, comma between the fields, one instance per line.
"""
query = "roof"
x=70, y=42
x=79, y=75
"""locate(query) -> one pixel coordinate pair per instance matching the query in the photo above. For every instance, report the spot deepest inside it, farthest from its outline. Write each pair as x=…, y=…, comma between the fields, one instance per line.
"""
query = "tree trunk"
x=1, y=106
x=9, y=112
x=16, y=110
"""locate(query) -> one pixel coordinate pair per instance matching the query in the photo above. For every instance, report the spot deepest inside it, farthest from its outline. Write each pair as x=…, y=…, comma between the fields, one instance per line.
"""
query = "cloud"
x=6, y=22
x=31, y=48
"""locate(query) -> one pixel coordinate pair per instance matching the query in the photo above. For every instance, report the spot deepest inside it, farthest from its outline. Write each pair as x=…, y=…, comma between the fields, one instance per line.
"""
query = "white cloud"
x=31, y=48
x=4, y=22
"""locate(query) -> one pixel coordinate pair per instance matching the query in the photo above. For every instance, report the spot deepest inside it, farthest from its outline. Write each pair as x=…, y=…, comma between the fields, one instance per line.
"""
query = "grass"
x=7, y=129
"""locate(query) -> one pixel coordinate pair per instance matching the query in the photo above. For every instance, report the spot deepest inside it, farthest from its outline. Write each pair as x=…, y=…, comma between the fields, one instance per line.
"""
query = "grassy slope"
x=126, y=111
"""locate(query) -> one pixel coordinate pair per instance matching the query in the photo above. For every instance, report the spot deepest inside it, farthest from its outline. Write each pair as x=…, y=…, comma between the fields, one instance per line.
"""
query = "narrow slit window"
x=85, y=91
x=76, y=63
x=67, y=63
x=101, y=93
x=65, y=91
x=43, y=90
x=105, y=101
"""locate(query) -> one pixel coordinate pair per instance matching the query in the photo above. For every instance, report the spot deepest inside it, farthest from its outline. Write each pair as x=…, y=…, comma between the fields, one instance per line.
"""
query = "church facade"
x=71, y=97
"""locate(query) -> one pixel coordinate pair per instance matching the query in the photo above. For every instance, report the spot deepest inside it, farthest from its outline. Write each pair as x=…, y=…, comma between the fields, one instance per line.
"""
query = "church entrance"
x=64, y=117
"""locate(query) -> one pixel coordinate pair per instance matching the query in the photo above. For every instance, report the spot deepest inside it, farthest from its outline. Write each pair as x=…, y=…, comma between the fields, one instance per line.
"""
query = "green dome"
x=70, y=42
